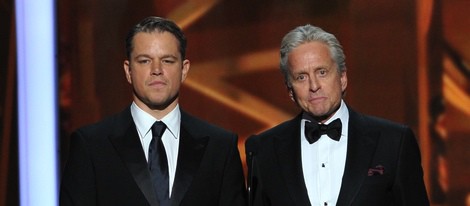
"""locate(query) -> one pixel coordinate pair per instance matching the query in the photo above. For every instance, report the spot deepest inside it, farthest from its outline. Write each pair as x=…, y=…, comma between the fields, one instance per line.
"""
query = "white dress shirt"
x=323, y=162
x=170, y=138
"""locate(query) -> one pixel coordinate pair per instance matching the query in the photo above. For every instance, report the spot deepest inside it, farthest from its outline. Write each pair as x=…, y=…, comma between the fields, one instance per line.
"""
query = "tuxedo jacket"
x=383, y=165
x=107, y=166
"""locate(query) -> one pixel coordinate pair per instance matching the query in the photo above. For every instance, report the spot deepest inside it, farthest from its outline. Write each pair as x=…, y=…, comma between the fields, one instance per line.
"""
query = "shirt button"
x=325, y=203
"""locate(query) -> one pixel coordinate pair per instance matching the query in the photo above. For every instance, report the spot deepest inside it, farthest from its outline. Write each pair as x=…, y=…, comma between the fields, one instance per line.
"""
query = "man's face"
x=317, y=85
x=155, y=70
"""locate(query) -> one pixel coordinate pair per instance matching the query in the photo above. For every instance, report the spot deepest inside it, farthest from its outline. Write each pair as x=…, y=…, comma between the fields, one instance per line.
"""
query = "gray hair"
x=306, y=34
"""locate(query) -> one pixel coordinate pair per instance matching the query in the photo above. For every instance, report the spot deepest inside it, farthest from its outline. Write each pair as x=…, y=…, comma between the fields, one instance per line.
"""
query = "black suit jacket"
x=107, y=166
x=276, y=176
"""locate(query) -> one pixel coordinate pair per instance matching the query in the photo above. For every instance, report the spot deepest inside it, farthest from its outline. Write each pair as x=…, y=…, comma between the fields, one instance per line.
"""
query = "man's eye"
x=301, y=77
x=144, y=61
x=167, y=61
x=322, y=72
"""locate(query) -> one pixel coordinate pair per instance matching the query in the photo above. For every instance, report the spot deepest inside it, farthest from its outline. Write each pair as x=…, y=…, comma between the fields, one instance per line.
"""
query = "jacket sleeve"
x=233, y=188
x=409, y=188
x=77, y=185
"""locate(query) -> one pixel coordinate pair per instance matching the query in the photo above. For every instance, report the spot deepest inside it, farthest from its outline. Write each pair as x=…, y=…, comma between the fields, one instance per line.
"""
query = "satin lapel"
x=362, y=143
x=127, y=144
x=191, y=151
x=287, y=148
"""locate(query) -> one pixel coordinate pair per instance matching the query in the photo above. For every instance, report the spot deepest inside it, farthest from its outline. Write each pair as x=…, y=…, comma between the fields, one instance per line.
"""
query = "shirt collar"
x=342, y=114
x=144, y=120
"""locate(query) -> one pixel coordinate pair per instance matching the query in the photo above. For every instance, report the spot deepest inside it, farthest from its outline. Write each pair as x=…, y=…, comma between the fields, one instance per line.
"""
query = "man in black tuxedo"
x=190, y=162
x=330, y=154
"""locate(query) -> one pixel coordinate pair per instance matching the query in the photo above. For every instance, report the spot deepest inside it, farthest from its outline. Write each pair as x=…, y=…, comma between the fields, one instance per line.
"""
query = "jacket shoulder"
x=382, y=124
x=386, y=130
x=200, y=127
x=107, y=125
x=286, y=128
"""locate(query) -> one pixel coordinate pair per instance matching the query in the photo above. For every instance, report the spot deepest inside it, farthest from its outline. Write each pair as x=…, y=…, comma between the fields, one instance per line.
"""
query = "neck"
x=157, y=111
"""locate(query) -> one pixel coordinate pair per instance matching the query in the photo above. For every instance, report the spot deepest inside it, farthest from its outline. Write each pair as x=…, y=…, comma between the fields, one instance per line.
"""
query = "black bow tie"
x=313, y=130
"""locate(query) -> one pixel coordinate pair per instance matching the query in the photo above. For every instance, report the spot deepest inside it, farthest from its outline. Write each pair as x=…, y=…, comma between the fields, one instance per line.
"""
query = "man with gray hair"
x=329, y=154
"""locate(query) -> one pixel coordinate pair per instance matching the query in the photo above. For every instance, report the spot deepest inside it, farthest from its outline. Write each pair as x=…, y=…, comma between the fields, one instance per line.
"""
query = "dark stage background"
x=408, y=61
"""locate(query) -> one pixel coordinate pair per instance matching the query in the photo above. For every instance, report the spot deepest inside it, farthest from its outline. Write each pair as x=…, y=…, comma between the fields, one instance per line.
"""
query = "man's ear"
x=344, y=81
x=186, y=65
x=291, y=93
x=127, y=71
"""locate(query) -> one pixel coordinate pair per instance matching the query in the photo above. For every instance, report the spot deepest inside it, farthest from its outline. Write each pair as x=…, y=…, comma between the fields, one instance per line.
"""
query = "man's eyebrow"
x=160, y=57
x=142, y=55
x=169, y=56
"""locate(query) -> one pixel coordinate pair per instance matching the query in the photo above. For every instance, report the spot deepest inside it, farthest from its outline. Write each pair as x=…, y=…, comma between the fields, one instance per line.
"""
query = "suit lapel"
x=191, y=151
x=127, y=144
x=362, y=143
x=287, y=148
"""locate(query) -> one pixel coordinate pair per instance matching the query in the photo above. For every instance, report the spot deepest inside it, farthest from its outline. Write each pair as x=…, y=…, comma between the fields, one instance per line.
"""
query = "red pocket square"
x=378, y=170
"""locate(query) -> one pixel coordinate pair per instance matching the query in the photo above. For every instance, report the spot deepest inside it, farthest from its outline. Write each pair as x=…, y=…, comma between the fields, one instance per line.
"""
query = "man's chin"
x=162, y=104
x=322, y=116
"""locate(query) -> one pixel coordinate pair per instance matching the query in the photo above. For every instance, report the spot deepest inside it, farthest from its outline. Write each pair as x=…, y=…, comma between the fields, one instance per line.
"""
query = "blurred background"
x=407, y=60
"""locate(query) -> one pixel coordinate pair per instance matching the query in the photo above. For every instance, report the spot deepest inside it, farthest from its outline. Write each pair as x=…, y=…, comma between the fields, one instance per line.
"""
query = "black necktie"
x=158, y=164
x=313, y=130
